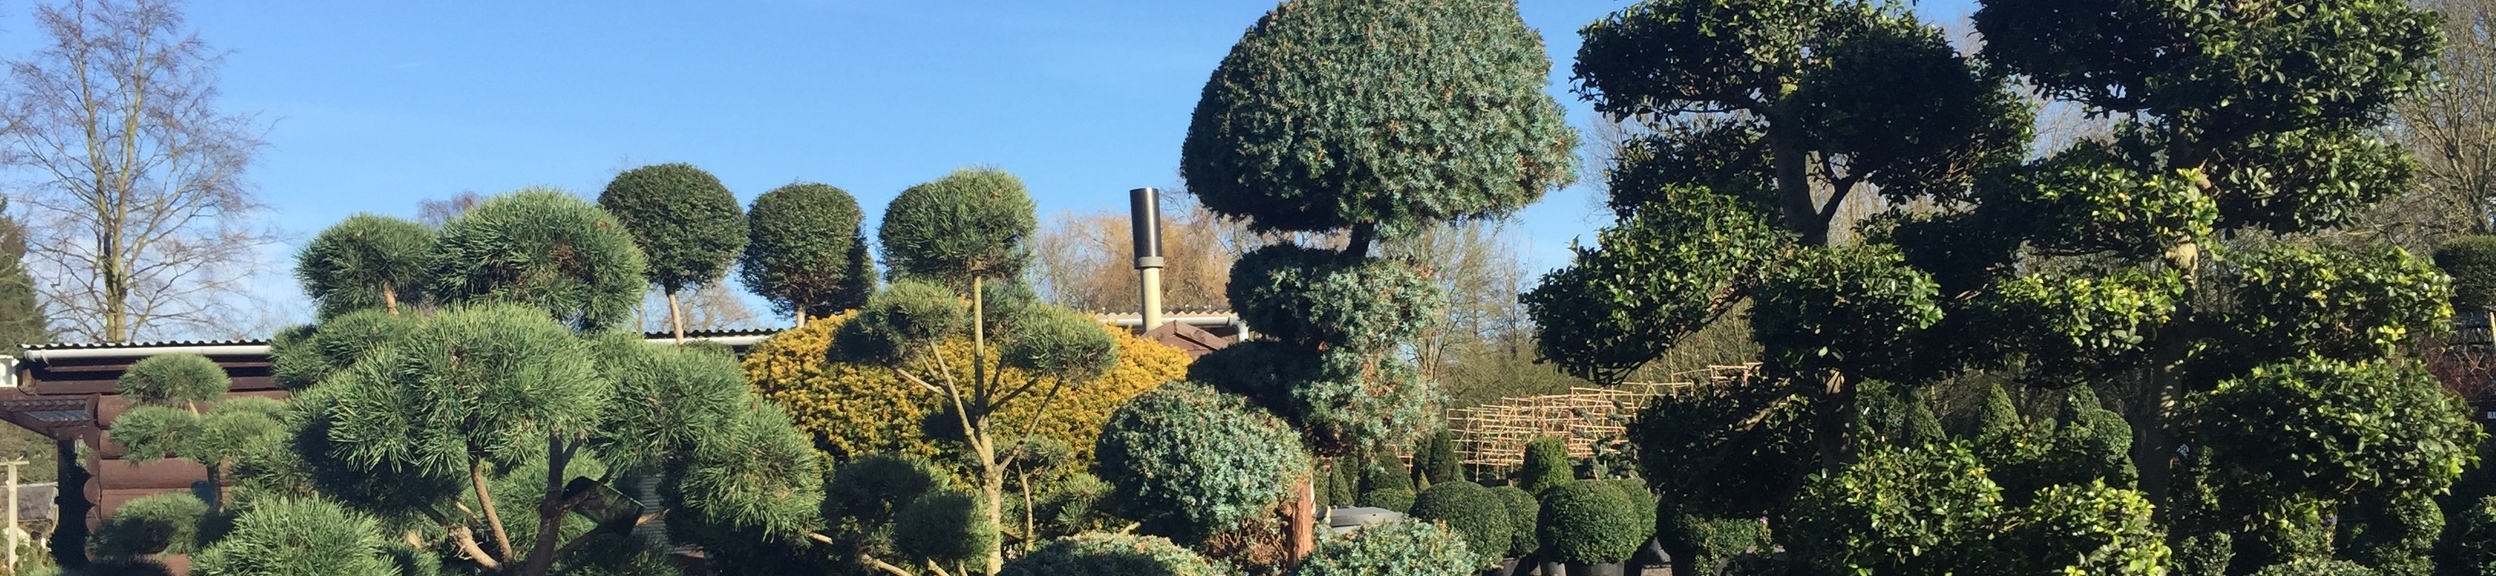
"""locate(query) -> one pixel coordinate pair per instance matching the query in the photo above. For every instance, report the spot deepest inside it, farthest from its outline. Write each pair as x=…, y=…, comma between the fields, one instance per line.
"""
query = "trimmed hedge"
x=1391, y=549
x=945, y=526
x=175, y=379
x=1474, y=512
x=1396, y=499
x=1590, y=522
x=1098, y=554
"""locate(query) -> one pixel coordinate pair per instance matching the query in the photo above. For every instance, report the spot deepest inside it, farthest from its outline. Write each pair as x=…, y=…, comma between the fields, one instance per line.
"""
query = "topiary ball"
x=365, y=262
x=1188, y=462
x=1397, y=499
x=945, y=526
x=1546, y=465
x=872, y=489
x=166, y=522
x=1391, y=549
x=682, y=219
x=542, y=248
x=1522, y=511
x=1474, y=512
x=1097, y=554
x=1589, y=522
x=1642, y=502
x=971, y=223
x=804, y=251
x=290, y=537
x=175, y=379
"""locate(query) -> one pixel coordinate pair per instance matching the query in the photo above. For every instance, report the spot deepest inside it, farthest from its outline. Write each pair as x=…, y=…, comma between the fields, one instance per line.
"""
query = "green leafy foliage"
x=1676, y=263
x=1849, y=310
x=1522, y=512
x=161, y=523
x=2393, y=533
x=1928, y=141
x=1189, y=462
x=2076, y=327
x=1333, y=113
x=1340, y=399
x=2089, y=198
x=2338, y=303
x=945, y=526
x=1308, y=296
x=2316, y=567
x=2470, y=548
x=366, y=261
x=304, y=356
x=1921, y=510
x=972, y=223
x=2327, y=429
x=1546, y=465
x=1590, y=522
x=1709, y=544
x=1697, y=453
x=2471, y=262
x=505, y=250
x=174, y=380
x=804, y=252
x=2085, y=529
x=301, y=538
x=1395, y=499
x=1435, y=459
x=1473, y=512
x=22, y=317
x=1111, y=555
x=686, y=223
x=1391, y=549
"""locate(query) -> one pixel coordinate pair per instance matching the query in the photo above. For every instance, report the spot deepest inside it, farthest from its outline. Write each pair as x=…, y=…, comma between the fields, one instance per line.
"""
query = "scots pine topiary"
x=685, y=222
x=302, y=537
x=505, y=250
x=366, y=262
x=804, y=252
x=972, y=223
x=181, y=379
x=166, y=522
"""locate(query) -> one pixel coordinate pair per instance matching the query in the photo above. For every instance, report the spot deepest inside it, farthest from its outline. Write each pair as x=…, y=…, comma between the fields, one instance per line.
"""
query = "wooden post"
x=1303, y=520
x=15, y=533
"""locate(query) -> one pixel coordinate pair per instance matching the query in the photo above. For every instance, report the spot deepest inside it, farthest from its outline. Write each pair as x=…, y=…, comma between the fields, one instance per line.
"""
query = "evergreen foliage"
x=2322, y=429
x=174, y=380
x=945, y=526
x=686, y=223
x=1391, y=549
x=1589, y=522
x=1384, y=471
x=1522, y=513
x=2471, y=261
x=1435, y=459
x=1188, y=462
x=302, y=537
x=502, y=251
x=2470, y=548
x=1546, y=465
x=161, y=523
x=1111, y=555
x=304, y=356
x=1395, y=499
x=971, y=223
x=23, y=319
x=804, y=251
x=366, y=261
x=1473, y=512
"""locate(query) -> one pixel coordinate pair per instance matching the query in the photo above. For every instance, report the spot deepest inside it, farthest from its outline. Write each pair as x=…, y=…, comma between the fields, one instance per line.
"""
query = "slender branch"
x=880, y=566
x=485, y=499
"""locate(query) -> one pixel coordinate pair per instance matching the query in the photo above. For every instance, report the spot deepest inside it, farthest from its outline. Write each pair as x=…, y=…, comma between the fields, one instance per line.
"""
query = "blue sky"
x=374, y=106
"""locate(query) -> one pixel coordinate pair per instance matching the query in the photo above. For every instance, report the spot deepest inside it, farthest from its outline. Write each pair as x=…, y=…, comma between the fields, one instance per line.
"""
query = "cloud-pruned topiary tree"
x=543, y=248
x=366, y=261
x=301, y=537
x=1371, y=120
x=955, y=245
x=806, y=254
x=182, y=411
x=686, y=223
x=1189, y=462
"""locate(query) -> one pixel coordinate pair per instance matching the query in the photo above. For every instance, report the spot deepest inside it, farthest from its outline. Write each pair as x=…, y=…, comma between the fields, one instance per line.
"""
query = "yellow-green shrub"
x=856, y=409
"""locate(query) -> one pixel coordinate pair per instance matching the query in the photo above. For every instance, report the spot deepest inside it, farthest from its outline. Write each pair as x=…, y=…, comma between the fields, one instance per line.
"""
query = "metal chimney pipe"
x=1146, y=204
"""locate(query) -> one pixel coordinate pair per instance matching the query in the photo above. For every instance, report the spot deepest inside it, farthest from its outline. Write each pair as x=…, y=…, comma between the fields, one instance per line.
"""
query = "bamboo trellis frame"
x=1495, y=434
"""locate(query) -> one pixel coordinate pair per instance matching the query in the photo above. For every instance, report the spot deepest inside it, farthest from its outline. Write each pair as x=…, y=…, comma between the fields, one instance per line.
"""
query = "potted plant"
x=1590, y=527
x=1474, y=513
x=1521, y=509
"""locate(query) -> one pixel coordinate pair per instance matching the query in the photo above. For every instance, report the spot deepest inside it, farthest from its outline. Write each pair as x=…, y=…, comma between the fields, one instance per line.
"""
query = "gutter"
x=47, y=356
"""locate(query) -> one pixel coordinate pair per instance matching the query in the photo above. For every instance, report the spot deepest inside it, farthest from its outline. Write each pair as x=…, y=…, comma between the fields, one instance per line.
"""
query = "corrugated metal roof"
x=265, y=342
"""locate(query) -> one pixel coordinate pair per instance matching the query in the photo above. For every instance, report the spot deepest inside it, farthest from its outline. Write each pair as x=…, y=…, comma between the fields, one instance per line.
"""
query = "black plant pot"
x=1550, y=568
x=1604, y=569
x=1506, y=567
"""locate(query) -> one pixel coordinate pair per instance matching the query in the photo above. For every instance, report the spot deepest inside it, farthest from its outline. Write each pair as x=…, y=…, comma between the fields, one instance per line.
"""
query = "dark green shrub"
x=1347, y=482
x=174, y=380
x=2394, y=533
x=1546, y=465
x=1111, y=555
x=1384, y=471
x=804, y=251
x=1589, y=522
x=869, y=491
x=971, y=223
x=2316, y=567
x=161, y=523
x=1922, y=510
x=120, y=567
x=1642, y=502
x=1435, y=459
x=1188, y=462
x=946, y=526
x=365, y=262
x=1475, y=513
x=301, y=357
x=2469, y=547
x=303, y=538
x=684, y=221
x=498, y=252
x=1522, y=511
x=1396, y=499
x=2471, y=261
x=2327, y=429
x=1709, y=543
x=1391, y=549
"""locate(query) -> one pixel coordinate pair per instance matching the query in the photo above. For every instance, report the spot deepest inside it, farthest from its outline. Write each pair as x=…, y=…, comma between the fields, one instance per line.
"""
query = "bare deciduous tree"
x=1085, y=260
x=140, y=221
x=438, y=211
x=2450, y=126
x=713, y=306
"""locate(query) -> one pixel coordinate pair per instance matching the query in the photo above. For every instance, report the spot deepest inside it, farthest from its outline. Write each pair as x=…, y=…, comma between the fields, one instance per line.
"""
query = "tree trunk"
x=390, y=299
x=676, y=317
x=1303, y=520
x=991, y=487
x=69, y=537
x=1790, y=158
